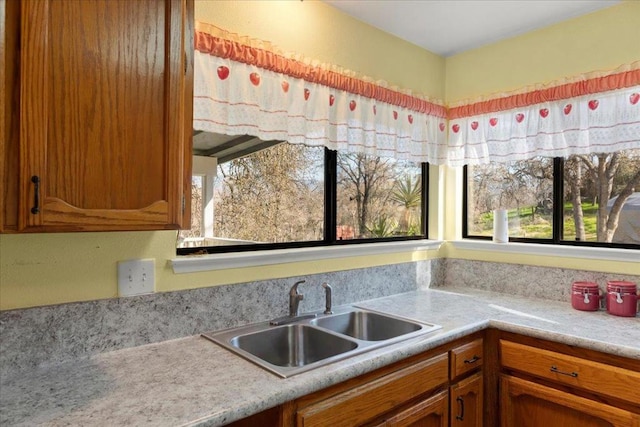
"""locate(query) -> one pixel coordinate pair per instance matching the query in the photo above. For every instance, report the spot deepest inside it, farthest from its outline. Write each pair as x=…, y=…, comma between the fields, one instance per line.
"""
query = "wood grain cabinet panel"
x=371, y=400
x=9, y=130
x=572, y=371
x=431, y=412
x=104, y=114
x=527, y=404
x=467, y=402
x=466, y=358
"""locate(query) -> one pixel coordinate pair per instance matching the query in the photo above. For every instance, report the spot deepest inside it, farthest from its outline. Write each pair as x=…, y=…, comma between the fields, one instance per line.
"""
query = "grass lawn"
x=529, y=224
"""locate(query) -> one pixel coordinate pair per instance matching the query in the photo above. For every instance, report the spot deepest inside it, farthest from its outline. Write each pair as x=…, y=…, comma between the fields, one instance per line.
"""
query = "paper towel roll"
x=500, y=226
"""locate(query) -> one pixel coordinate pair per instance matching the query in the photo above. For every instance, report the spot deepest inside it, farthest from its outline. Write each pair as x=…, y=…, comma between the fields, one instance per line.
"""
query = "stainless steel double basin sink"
x=309, y=343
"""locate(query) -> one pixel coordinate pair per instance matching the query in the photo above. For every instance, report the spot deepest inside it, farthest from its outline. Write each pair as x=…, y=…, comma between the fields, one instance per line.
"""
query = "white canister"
x=500, y=226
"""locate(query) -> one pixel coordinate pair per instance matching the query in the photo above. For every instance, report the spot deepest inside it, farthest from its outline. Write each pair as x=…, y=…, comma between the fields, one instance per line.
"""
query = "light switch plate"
x=136, y=277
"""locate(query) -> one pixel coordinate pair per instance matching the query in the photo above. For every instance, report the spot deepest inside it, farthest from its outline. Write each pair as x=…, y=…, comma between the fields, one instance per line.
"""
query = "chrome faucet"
x=294, y=299
x=327, y=298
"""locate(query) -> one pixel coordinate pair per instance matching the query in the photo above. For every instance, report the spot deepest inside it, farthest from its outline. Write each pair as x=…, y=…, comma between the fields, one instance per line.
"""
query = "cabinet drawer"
x=431, y=412
x=579, y=373
x=466, y=358
x=368, y=401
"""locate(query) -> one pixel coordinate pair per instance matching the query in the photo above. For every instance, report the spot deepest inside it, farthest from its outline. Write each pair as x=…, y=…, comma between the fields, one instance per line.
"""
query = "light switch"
x=136, y=277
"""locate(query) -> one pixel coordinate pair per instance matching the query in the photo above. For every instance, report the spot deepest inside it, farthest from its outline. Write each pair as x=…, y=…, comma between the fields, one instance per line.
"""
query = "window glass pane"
x=377, y=197
x=271, y=196
x=602, y=197
x=524, y=188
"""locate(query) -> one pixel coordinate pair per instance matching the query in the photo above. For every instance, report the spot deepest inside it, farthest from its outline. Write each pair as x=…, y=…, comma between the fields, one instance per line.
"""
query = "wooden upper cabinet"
x=105, y=116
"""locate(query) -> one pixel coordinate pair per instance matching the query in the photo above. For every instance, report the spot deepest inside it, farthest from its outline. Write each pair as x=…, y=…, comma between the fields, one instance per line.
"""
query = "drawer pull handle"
x=474, y=359
x=460, y=415
x=569, y=374
x=36, y=195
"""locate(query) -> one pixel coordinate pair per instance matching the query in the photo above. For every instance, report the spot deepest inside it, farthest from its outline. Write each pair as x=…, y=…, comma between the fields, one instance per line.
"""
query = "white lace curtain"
x=248, y=86
x=244, y=86
x=591, y=114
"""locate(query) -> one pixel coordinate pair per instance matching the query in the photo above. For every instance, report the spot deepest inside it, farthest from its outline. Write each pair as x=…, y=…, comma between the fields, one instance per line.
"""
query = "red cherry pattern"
x=255, y=78
x=223, y=72
x=567, y=109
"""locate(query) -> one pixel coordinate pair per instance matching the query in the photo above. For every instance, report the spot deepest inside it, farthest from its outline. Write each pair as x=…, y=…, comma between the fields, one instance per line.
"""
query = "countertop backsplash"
x=46, y=336
x=522, y=280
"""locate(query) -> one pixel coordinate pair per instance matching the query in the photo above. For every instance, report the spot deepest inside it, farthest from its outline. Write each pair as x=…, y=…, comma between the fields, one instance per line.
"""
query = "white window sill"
x=608, y=254
x=196, y=263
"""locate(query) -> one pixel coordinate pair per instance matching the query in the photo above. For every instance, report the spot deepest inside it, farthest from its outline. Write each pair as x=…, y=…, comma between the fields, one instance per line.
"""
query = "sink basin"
x=308, y=342
x=293, y=345
x=367, y=326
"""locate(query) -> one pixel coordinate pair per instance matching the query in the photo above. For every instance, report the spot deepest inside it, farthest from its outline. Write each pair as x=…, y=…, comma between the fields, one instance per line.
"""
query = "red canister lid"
x=584, y=286
x=621, y=286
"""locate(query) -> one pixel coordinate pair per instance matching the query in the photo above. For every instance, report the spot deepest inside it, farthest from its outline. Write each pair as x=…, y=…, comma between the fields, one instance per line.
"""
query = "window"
x=589, y=200
x=291, y=195
x=378, y=197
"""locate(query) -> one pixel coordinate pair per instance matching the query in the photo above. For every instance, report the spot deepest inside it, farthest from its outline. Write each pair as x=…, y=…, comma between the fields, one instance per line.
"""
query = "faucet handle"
x=327, y=296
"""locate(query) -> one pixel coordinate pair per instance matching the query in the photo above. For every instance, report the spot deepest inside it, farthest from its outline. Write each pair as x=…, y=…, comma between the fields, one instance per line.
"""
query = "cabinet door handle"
x=460, y=415
x=570, y=374
x=36, y=194
x=474, y=359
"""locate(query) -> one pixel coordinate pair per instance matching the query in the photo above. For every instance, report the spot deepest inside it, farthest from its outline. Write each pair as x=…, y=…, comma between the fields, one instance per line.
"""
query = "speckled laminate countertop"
x=193, y=381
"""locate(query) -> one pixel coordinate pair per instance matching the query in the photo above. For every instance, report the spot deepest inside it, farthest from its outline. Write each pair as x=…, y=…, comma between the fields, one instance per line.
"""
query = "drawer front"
x=363, y=403
x=579, y=373
x=431, y=412
x=466, y=358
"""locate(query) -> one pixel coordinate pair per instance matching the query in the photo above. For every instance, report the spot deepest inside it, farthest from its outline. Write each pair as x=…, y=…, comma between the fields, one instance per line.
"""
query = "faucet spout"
x=327, y=297
x=295, y=298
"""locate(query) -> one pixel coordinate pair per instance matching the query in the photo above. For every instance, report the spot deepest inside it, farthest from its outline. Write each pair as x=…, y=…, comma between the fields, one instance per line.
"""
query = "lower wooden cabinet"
x=431, y=412
x=495, y=378
x=466, y=402
x=546, y=384
x=527, y=404
x=369, y=402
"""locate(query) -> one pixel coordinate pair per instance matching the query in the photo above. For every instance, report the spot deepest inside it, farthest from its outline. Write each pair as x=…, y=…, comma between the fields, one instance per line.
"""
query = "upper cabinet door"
x=105, y=117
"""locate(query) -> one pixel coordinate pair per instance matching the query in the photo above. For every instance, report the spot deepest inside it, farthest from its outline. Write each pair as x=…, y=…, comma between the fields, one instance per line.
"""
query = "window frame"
x=330, y=219
x=557, y=212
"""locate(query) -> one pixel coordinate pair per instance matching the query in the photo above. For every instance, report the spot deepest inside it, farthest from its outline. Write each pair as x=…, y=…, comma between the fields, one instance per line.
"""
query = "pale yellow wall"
x=42, y=269
x=323, y=33
x=598, y=41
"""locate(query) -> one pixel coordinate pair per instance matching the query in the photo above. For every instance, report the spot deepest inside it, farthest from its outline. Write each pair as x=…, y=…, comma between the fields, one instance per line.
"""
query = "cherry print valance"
x=597, y=113
x=246, y=86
